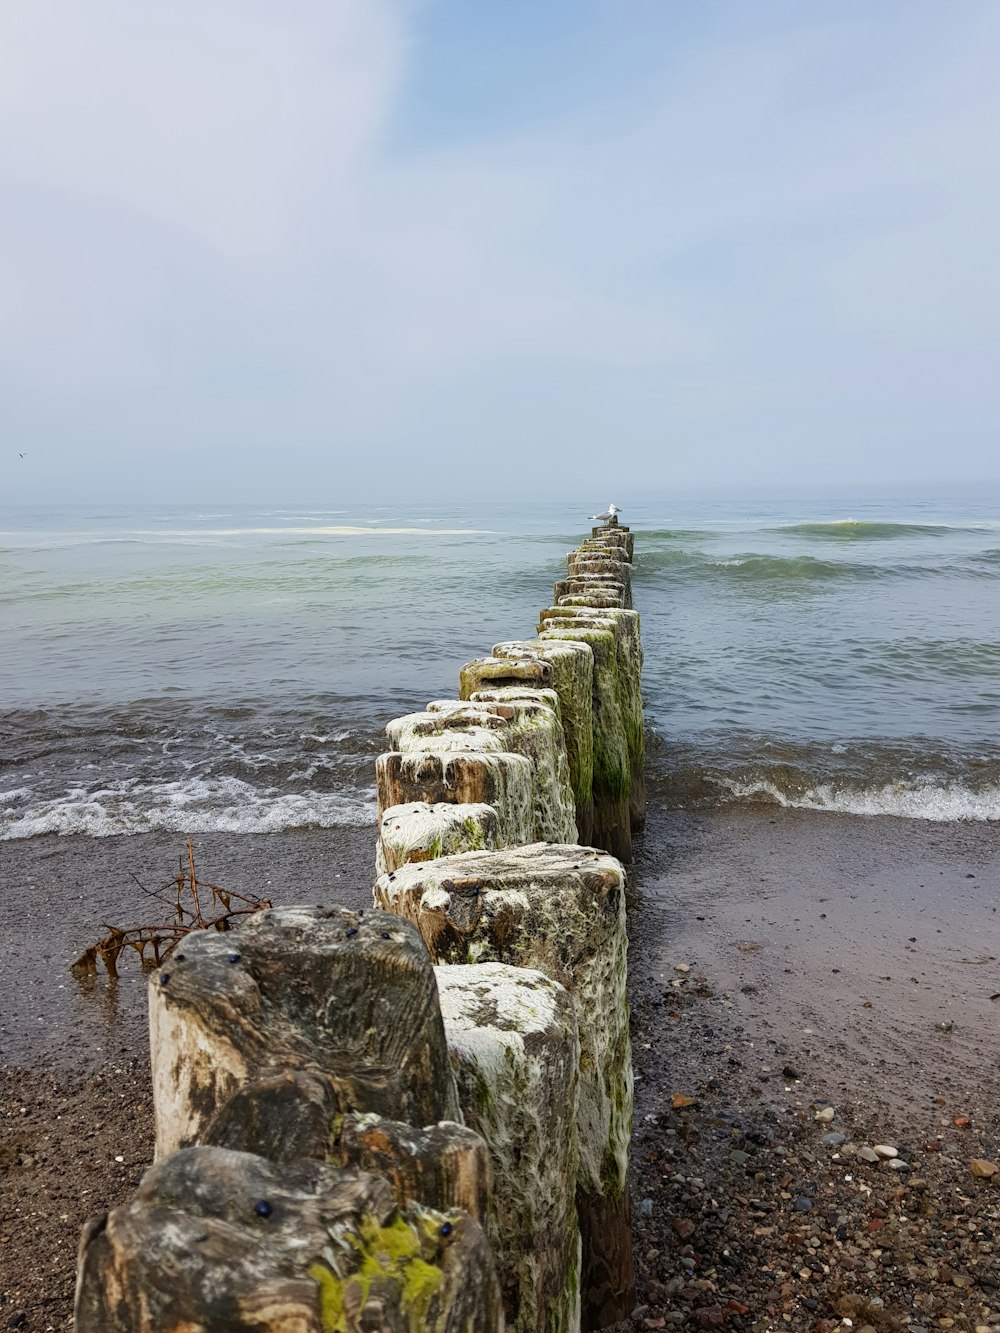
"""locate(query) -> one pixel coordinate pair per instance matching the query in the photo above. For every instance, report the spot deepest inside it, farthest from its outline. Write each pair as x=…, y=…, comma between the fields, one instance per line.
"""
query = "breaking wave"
x=223, y=805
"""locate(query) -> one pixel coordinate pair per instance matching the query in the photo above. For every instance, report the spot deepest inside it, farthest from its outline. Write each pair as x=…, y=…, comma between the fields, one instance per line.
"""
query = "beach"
x=790, y=922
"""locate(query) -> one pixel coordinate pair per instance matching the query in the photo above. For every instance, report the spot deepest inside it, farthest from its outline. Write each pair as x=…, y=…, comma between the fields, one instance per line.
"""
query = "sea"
x=231, y=668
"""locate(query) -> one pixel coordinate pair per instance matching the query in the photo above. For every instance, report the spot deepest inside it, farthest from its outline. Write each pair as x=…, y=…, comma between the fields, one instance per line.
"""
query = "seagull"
x=22, y=455
x=610, y=517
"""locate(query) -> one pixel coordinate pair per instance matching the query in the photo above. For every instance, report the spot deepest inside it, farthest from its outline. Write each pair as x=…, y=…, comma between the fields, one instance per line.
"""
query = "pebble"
x=885, y=1150
x=827, y=1113
x=980, y=1167
x=646, y=1208
x=834, y=1138
x=868, y=1154
x=802, y=1204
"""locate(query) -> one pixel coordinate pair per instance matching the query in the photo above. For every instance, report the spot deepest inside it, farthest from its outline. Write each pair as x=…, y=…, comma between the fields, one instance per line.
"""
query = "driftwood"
x=228, y=1241
x=183, y=897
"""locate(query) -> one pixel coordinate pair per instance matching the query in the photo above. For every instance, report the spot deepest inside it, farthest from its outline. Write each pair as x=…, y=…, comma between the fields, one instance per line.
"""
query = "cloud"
x=214, y=242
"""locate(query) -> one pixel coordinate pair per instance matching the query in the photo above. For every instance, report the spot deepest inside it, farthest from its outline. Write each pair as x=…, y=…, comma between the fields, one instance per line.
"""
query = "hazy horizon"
x=417, y=249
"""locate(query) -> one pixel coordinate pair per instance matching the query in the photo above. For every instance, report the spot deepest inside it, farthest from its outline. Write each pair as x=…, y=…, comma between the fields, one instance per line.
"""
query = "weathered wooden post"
x=512, y=1037
x=351, y=995
x=421, y=832
x=528, y=728
x=461, y=777
x=568, y=670
x=629, y=684
x=560, y=910
x=612, y=762
x=229, y=1241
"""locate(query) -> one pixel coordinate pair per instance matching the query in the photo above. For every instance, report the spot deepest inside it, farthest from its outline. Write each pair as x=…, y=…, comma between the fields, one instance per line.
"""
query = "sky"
x=438, y=249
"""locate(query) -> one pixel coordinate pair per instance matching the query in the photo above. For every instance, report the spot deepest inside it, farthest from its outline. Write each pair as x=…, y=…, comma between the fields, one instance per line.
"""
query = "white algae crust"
x=512, y=1038
x=422, y=832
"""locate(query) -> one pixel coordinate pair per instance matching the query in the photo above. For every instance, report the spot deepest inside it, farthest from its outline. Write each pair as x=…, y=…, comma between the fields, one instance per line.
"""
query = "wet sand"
x=872, y=943
x=792, y=925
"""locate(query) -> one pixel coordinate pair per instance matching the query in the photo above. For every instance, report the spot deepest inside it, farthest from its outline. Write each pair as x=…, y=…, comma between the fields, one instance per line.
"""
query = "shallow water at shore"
x=231, y=670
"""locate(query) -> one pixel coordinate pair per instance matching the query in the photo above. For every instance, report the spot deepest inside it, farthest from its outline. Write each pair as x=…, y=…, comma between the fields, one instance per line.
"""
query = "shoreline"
x=788, y=921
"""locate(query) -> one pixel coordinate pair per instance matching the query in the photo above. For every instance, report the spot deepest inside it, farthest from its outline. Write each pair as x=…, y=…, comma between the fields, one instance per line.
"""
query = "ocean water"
x=231, y=668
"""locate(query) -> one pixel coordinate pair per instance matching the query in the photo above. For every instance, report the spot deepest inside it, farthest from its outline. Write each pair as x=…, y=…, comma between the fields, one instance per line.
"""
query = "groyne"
x=418, y=1116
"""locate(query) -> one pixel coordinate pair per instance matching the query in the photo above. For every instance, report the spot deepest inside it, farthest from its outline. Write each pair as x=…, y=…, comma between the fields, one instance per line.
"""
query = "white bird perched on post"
x=610, y=517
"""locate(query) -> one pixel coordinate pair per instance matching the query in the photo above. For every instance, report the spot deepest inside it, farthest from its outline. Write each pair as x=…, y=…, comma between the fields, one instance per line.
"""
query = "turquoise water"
x=231, y=667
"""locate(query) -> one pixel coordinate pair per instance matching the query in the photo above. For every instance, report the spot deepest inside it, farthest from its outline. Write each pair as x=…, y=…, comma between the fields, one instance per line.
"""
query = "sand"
x=863, y=952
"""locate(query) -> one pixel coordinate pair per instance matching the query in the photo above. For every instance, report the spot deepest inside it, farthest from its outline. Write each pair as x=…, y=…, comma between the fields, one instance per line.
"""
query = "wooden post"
x=569, y=671
x=420, y=832
x=629, y=685
x=512, y=1036
x=349, y=994
x=442, y=1166
x=524, y=727
x=560, y=910
x=459, y=777
x=225, y=1240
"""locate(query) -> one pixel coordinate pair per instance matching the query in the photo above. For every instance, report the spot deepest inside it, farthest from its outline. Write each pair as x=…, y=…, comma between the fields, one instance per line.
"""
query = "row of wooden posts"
x=418, y=1116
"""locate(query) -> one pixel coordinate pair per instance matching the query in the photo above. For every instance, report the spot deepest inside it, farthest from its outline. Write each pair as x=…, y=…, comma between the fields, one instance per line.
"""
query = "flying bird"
x=22, y=455
x=610, y=517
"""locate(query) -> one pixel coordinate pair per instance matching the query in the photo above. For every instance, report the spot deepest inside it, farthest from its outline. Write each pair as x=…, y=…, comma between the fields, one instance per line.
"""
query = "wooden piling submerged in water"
x=418, y=1117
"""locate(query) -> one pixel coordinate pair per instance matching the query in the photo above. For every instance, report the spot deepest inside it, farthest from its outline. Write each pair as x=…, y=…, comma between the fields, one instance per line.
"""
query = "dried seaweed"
x=183, y=896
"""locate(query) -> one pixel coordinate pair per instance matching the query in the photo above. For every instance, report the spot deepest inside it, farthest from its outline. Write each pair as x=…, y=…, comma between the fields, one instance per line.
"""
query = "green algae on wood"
x=629, y=685
x=612, y=771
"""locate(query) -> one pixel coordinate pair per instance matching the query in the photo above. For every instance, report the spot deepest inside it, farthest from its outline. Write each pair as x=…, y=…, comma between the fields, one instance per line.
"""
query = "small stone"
x=682, y=967
x=885, y=1151
x=834, y=1138
x=738, y=1157
x=826, y=1114
x=679, y=1101
x=868, y=1154
x=982, y=1168
x=684, y=1227
x=791, y=1072
x=646, y=1208
x=802, y=1204
x=897, y=1164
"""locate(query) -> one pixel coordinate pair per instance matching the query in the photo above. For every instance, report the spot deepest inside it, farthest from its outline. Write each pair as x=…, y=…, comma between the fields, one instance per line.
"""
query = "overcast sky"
x=259, y=249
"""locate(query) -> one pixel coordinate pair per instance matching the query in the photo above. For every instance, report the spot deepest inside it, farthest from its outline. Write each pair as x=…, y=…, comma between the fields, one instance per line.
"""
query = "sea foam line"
x=195, y=806
x=944, y=803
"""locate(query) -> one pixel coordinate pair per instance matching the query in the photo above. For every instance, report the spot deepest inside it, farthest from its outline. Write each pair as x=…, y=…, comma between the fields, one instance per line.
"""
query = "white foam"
x=943, y=803
x=194, y=805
